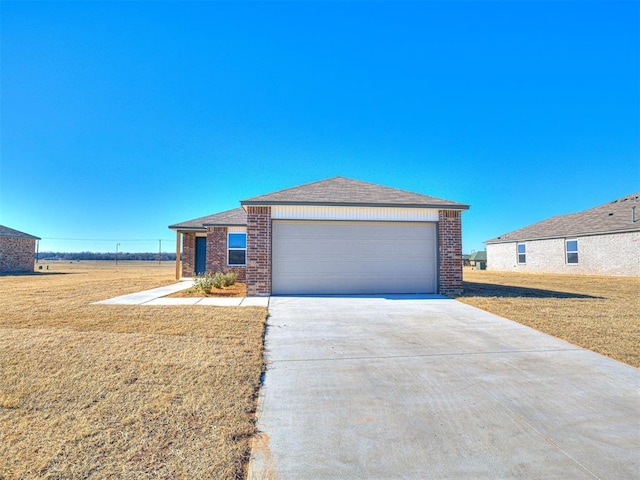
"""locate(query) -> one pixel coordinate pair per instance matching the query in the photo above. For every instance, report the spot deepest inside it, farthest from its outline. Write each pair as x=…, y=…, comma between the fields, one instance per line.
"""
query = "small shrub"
x=230, y=278
x=218, y=280
x=204, y=282
x=221, y=280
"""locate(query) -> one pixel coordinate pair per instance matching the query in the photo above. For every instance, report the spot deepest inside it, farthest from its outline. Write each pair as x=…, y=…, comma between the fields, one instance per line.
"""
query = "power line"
x=108, y=239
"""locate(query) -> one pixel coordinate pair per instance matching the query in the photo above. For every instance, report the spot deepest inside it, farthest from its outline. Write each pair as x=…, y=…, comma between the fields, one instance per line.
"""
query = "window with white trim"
x=522, y=253
x=237, y=249
x=571, y=248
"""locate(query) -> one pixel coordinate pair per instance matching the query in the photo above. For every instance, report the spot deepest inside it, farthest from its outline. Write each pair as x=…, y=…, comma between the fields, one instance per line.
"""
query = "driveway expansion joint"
x=425, y=355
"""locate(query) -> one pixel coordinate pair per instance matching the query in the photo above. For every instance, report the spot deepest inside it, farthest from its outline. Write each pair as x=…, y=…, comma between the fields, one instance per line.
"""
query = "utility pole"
x=117, y=245
x=160, y=252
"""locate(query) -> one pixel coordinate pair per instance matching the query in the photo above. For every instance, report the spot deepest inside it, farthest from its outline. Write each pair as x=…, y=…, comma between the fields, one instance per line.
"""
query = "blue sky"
x=120, y=118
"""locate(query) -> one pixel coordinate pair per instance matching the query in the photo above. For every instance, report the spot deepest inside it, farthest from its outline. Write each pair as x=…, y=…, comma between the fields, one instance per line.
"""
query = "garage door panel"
x=352, y=257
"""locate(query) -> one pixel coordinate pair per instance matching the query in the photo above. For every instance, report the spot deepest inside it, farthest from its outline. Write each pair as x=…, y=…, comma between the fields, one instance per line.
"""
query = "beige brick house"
x=17, y=250
x=604, y=240
x=335, y=236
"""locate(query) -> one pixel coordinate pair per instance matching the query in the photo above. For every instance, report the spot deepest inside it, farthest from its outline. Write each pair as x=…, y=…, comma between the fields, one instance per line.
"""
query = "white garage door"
x=331, y=257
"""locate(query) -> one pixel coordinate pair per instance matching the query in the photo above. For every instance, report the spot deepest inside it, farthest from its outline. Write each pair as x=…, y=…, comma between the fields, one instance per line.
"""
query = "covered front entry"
x=353, y=257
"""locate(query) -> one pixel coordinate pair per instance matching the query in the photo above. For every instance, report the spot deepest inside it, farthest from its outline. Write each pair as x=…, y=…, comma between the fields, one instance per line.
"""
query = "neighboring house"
x=17, y=250
x=336, y=236
x=478, y=260
x=604, y=240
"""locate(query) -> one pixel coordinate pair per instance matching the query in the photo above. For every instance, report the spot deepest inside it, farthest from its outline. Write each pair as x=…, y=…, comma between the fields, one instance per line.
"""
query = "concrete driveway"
x=429, y=388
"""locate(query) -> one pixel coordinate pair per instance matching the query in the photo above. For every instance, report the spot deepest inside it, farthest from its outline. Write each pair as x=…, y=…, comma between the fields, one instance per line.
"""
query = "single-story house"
x=604, y=240
x=478, y=260
x=335, y=236
x=17, y=250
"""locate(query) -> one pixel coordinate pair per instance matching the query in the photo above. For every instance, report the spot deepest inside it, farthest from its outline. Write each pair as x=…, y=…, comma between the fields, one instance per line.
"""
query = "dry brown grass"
x=107, y=391
x=598, y=313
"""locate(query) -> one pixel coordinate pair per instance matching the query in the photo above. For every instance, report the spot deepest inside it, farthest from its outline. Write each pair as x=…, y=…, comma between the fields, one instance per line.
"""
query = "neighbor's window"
x=522, y=253
x=572, y=251
x=237, y=246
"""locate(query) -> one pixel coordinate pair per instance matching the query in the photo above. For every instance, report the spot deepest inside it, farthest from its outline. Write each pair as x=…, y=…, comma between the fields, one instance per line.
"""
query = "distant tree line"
x=106, y=256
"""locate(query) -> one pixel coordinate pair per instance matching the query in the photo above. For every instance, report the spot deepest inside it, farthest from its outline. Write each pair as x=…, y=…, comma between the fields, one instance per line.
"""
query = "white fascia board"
x=387, y=214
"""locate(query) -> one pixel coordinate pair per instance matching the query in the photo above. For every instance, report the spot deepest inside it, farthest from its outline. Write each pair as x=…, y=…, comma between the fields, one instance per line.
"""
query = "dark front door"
x=201, y=255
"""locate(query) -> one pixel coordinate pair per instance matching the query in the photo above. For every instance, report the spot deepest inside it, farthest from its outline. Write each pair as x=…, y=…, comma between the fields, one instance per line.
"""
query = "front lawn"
x=116, y=391
x=598, y=313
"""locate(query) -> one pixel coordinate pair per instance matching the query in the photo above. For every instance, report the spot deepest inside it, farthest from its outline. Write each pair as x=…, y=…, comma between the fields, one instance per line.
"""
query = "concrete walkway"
x=156, y=296
x=428, y=388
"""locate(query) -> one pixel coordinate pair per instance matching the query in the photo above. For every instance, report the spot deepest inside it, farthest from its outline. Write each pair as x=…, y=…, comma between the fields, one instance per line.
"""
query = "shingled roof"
x=229, y=218
x=11, y=233
x=612, y=217
x=480, y=256
x=340, y=191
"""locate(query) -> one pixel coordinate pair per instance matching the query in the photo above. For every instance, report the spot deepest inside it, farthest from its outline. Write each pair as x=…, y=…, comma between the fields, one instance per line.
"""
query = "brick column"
x=188, y=254
x=258, y=251
x=216, y=249
x=450, y=252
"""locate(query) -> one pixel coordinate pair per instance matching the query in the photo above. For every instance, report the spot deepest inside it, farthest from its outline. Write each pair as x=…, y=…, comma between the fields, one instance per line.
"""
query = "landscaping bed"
x=236, y=290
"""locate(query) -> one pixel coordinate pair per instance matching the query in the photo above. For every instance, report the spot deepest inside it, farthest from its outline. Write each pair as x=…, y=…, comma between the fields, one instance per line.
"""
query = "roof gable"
x=479, y=256
x=347, y=192
x=611, y=217
x=11, y=233
x=229, y=218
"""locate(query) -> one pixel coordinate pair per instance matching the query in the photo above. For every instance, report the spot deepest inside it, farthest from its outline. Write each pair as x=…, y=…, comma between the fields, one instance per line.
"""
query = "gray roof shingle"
x=347, y=192
x=337, y=191
x=235, y=217
x=615, y=216
x=11, y=233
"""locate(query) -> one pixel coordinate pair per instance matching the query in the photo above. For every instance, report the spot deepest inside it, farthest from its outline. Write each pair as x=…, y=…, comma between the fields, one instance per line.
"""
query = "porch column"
x=178, y=266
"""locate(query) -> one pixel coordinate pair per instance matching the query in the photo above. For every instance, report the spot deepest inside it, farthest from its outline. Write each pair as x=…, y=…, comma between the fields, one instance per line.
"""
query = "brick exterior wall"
x=449, y=252
x=188, y=254
x=611, y=254
x=217, y=253
x=258, y=275
x=17, y=254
